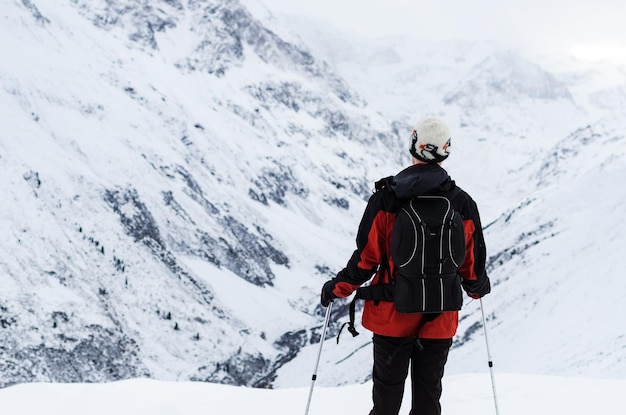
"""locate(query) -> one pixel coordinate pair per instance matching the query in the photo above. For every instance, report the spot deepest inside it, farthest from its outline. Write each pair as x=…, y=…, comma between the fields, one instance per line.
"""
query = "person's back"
x=402, y=337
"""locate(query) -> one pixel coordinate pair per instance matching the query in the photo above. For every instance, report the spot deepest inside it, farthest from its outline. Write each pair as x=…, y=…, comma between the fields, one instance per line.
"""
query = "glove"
x=478, y=288
x=327, y=295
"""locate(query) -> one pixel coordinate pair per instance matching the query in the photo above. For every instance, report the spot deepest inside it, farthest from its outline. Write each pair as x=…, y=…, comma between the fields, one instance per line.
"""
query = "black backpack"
x=428, y=247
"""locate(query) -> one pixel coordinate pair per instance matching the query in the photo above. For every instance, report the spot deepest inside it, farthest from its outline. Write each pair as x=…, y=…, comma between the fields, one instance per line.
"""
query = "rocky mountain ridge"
x=180, y=180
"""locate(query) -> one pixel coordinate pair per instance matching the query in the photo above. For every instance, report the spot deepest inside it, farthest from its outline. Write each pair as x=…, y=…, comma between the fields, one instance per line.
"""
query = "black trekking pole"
x=319, y=354
x=493, y=381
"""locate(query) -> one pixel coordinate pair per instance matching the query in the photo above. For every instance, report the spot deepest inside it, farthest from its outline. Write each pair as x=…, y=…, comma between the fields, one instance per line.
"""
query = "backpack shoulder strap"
x=453, y=193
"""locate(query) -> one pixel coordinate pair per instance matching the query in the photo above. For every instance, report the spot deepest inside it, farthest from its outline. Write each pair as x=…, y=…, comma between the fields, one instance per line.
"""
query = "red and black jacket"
x=372, y=254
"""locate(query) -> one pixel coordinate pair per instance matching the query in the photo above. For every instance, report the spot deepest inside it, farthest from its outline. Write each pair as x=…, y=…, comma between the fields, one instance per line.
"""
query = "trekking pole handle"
x=319, y=354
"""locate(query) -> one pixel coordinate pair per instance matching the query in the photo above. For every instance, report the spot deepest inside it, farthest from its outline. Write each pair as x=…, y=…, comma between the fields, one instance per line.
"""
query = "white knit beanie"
x=430, y=140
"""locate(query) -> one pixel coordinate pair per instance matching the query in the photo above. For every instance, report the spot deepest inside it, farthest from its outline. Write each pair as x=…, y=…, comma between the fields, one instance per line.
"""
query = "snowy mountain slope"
x=550, y=164
x=142, y=190
x=560, y=275
x=557, y=300
x=504, y=108
x=506, y=77
x=610, y=98
x=180, y=179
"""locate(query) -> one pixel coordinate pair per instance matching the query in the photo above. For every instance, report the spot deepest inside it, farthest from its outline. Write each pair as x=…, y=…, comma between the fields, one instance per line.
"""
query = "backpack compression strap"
x=380, y=292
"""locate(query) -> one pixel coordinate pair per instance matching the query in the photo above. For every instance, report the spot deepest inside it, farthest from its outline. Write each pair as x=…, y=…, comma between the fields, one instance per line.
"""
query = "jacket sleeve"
x=475, y=279
x=369, y=253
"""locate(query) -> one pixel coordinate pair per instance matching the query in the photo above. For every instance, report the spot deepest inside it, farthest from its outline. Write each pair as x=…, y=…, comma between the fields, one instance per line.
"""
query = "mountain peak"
x=505, y=76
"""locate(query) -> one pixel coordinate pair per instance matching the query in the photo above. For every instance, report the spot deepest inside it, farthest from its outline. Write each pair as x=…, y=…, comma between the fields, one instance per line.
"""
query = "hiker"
x=422, y=339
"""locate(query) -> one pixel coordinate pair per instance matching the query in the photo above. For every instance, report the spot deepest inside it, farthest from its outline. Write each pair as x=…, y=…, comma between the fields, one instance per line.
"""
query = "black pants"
x=392, y=356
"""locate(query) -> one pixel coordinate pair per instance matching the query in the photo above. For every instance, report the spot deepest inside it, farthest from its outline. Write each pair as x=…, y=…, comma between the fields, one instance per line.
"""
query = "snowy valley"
x=181, y=177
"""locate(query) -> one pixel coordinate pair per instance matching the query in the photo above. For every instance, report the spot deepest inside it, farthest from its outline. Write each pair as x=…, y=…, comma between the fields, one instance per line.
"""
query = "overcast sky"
x=588, y=29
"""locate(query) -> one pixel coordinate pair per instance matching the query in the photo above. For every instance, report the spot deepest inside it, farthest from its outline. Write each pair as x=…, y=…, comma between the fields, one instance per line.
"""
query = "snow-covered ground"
x=463, y=394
